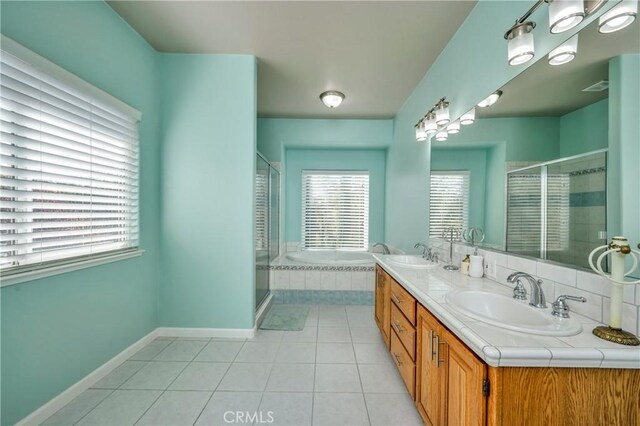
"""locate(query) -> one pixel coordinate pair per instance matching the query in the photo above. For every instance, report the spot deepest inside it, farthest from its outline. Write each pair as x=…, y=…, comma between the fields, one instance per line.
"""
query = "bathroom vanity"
x=460, y=371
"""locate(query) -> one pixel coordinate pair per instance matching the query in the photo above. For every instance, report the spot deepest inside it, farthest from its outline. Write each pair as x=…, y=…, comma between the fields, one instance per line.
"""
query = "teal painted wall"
x=209, y=147
x=472, y=65
x=57, y=330
x=475, y=161
x=277, y=134
x=585, y=129
x=310, y=159
x=623, y=183
x=495, y=196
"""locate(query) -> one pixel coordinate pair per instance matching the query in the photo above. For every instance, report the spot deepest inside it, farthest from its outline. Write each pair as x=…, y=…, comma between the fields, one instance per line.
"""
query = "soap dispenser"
x=476, y=268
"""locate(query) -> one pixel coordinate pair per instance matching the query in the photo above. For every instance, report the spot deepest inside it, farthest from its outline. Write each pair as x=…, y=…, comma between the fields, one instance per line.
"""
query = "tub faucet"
x=537, y=295
x=385, y=248
x=426, y=251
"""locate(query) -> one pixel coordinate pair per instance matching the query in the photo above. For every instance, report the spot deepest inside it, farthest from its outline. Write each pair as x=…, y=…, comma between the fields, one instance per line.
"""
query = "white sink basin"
x=406, y=261
x=506, y=312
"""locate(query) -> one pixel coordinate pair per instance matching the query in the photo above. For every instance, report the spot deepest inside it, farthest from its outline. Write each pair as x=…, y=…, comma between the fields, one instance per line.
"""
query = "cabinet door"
x=429, y=389
x=465, y=404
x=382, y=303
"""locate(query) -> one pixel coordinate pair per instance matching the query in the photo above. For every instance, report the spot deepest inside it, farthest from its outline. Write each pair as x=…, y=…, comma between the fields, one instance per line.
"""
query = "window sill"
x=61, y=269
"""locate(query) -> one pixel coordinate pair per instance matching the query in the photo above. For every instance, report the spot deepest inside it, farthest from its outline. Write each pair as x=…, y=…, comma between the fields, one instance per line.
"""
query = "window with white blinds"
x=526, y=212
x=262, y=209
x=335, y=210
x=448, y=201
x=69, y=166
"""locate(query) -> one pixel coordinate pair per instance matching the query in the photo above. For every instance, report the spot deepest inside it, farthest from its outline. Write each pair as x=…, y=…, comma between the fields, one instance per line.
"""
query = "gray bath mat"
x=285, y=317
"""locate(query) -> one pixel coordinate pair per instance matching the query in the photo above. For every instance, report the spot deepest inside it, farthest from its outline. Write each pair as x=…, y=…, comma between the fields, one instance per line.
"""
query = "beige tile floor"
x=336, y=371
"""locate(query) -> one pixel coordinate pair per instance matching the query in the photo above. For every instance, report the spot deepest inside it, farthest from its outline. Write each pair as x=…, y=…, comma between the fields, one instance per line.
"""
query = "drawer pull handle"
x=396, y=298
x=397, y=327
x=398, y=359
x=438, y=343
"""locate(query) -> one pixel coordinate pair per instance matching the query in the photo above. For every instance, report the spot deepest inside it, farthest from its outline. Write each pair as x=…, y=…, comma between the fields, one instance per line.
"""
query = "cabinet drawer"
x=404, y=330
x=404, y=301
x=404, y=363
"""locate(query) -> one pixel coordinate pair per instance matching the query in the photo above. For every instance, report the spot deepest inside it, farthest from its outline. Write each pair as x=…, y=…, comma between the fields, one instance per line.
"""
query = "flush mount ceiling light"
x=453, y=128
x=520, y=47
x=332, y=98
x=491, y=99
x=619, y=17
x=565, y=14
x=442, y=112
x=468, y=117
x=564, y=53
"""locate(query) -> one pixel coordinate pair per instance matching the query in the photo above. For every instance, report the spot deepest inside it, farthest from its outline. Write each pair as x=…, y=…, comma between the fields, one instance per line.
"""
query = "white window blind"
x=525, y=212
x=262, y=209
x=335, y=210
x=69, y=166
x=448, y=201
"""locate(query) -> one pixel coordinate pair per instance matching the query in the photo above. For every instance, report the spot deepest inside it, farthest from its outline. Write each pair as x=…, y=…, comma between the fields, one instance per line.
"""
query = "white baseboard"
x=50, y=408
x=240, y=333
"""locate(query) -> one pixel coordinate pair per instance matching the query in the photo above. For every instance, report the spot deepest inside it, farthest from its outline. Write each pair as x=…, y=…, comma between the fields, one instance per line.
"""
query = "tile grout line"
x=87, y=413
x=353, y=346
x=221, y=378
x=315, y=365
x=172, y=381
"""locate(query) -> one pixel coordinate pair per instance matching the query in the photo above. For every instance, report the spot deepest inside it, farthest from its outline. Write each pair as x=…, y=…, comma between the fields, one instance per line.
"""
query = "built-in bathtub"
x=323, y=277
x=331, y=257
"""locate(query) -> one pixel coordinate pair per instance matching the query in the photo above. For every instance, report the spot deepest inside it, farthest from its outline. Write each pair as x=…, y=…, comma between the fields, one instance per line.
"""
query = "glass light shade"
x=442, y=135
x=442, y=113
x=421, y=135
x=619, y=17
x=430, y=125
x=520, y=47
x=564, y=53
x=491, y=99
x=332, y=98
x=453, y=127
x=565, y=14
x=468, y=117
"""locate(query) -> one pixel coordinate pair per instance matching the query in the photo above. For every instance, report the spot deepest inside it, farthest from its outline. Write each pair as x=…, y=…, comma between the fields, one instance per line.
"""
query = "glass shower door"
x=262, y=230
x=274, y=214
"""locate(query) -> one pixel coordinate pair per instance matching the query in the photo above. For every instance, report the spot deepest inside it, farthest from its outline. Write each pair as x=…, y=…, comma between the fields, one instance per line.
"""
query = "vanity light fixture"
x=491, y=99
x=468, y=117
x=442, y=136
x=565, y=14
x=453, y=127
x=564, y=53
x=520, y=48
x=430, y=126
x=421, y=135
x=332, y=98
x=442, y=112
x=620, y=16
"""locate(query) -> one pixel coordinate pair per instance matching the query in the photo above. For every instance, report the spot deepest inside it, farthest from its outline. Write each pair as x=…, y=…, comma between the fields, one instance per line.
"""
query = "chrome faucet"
x=425, y=249
x=519, y=292
x=385, y=248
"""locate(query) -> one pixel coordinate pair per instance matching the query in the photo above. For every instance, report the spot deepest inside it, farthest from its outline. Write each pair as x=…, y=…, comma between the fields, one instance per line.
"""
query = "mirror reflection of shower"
x=557, y=210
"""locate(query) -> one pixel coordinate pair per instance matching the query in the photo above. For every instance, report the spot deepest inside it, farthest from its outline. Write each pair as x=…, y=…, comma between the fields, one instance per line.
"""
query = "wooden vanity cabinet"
x=382, y=295
x=452, y=386
x=449, y=377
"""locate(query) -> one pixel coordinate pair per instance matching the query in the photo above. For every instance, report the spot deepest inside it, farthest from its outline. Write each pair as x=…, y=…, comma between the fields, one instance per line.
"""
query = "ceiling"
x=547, y=90
x=375, y=52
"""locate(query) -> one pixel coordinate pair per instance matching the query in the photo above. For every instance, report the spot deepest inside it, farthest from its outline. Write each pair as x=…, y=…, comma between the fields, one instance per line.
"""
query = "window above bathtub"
x=69, y=158
x=335, y=210
x=448, y=201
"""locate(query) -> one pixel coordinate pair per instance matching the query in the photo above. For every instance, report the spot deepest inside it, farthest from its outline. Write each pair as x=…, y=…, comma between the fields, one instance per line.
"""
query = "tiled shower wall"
x=557, y=280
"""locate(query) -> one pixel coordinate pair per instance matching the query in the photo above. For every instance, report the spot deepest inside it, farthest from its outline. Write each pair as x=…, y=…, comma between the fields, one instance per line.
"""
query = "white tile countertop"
x=503, y=348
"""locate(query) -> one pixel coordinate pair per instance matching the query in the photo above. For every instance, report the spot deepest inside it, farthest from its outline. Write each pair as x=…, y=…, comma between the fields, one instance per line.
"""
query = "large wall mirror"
x=533, y=166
